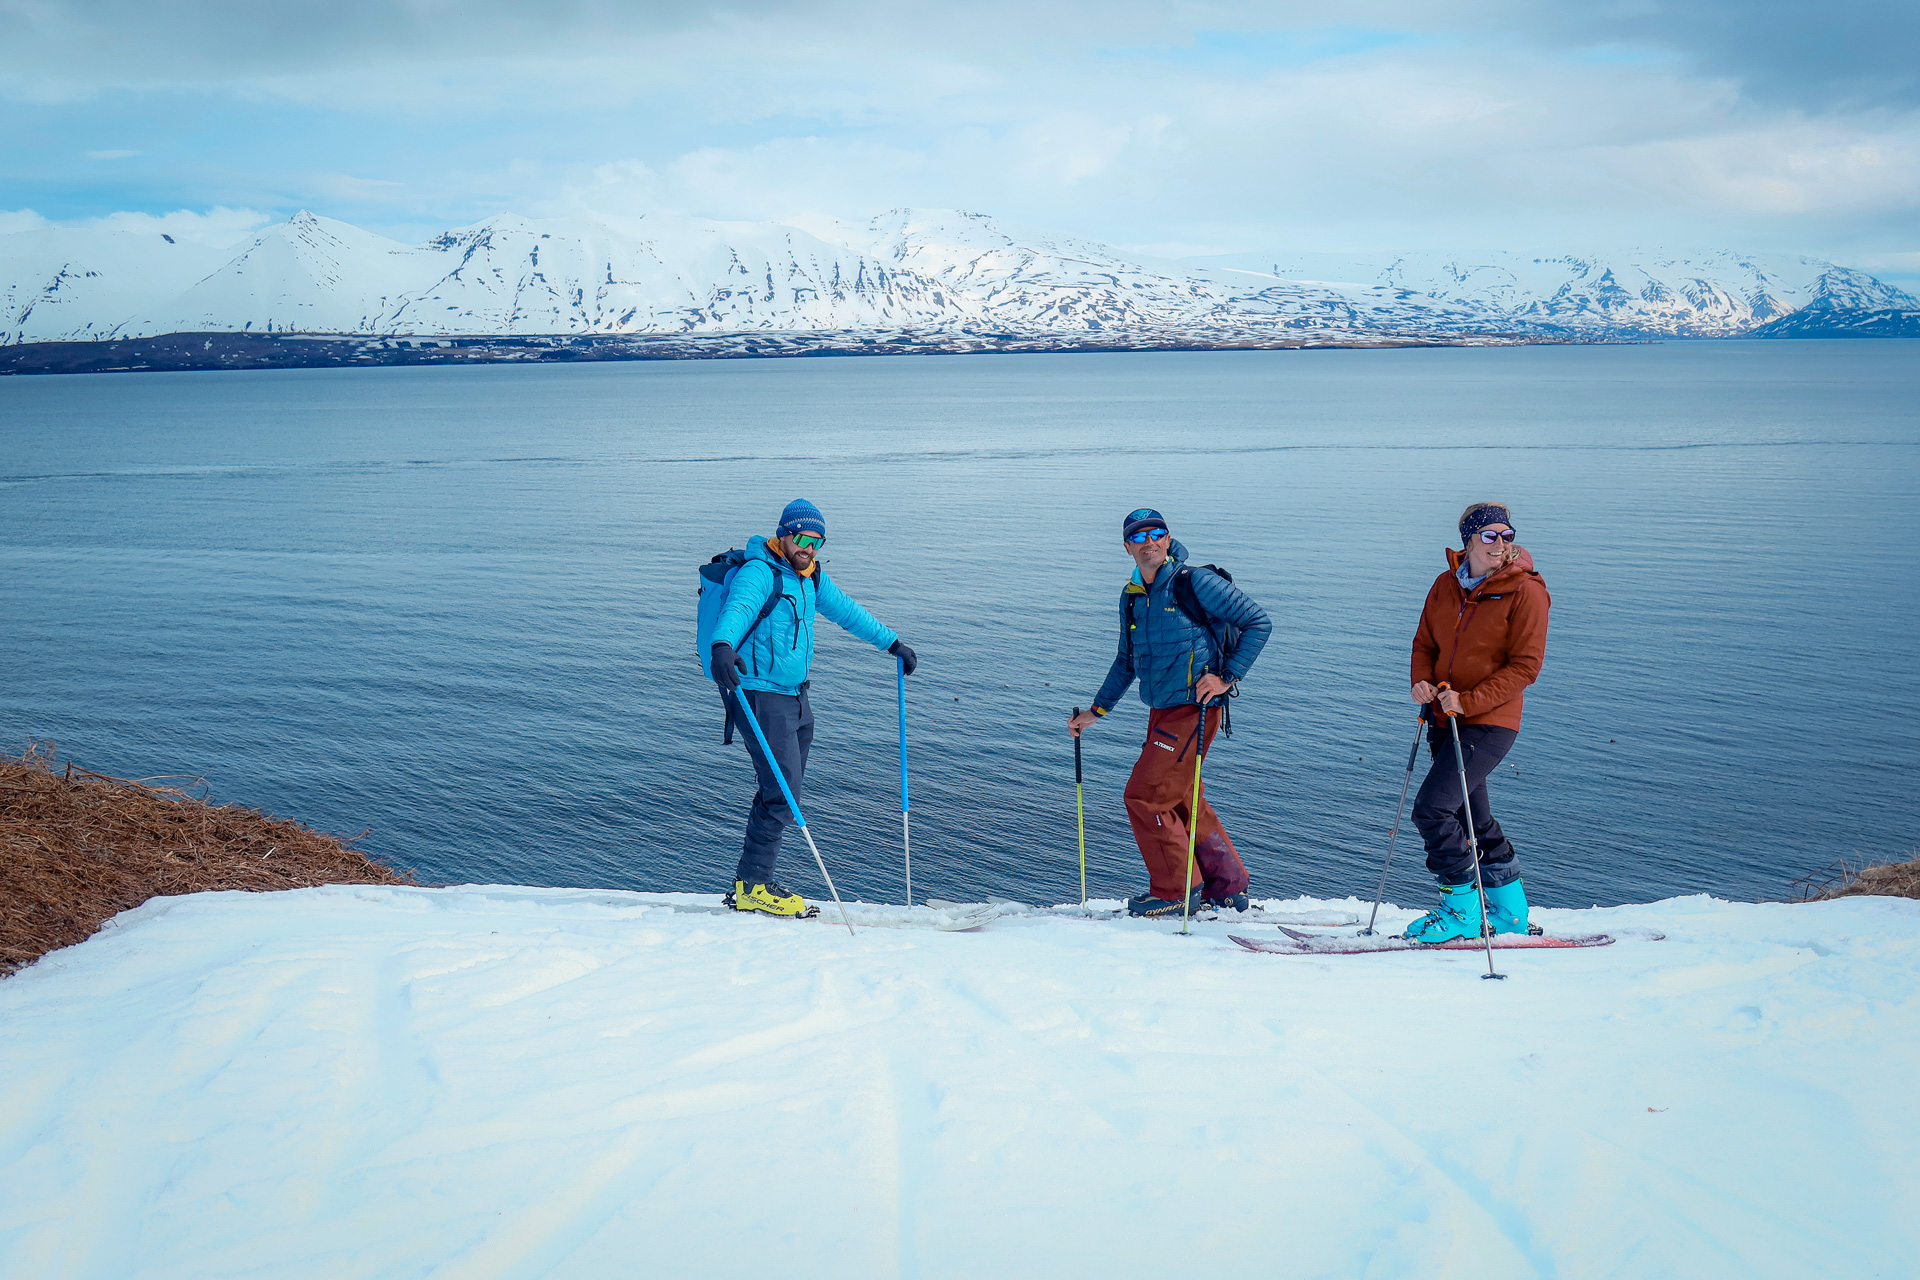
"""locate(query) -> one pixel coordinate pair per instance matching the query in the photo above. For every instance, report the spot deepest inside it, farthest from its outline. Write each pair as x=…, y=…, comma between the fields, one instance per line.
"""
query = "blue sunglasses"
x=1146, y=535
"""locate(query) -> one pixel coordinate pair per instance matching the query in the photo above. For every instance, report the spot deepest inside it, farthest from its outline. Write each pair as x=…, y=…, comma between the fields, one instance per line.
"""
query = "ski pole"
x=1381, y=892
x=799, y=818
x=1080, y=803
x=1473, y=842
x=906, y=837
x=1193, y=814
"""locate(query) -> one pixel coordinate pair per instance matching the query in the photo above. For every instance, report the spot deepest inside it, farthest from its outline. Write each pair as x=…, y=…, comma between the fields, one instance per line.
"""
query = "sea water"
x=455, y=605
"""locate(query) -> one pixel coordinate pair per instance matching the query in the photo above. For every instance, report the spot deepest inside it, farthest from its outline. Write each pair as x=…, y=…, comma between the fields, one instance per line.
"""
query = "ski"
x=1077, y=911
x=866, y=915
x=1348, y=945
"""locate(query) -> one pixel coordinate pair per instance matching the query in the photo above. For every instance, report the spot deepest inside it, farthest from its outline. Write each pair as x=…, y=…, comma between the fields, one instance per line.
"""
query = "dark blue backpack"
x=1224, y=636
x=716, y=583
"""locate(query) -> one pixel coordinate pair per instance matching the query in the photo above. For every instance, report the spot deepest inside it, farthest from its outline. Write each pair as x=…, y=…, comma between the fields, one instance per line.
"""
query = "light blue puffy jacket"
x=1165, y=649
x=779, y=653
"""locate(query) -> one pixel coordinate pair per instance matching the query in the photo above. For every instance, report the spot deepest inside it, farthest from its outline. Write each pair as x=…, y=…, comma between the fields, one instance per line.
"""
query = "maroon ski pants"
x=1159, y=798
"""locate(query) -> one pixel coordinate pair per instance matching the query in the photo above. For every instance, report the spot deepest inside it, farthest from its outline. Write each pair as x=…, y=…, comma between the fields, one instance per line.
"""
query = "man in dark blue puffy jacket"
x=1183, y=663
x=768, y=661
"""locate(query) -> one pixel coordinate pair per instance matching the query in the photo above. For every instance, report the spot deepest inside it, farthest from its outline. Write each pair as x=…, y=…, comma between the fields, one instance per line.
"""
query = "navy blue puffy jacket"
x=1166, y=650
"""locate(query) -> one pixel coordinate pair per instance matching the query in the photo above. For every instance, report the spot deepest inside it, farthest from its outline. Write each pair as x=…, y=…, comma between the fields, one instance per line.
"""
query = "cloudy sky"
x=1185, y=128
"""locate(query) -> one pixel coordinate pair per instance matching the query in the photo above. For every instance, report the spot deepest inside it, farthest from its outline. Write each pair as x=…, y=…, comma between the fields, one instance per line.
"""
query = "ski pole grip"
x=1077, y=778
x=1443, y=687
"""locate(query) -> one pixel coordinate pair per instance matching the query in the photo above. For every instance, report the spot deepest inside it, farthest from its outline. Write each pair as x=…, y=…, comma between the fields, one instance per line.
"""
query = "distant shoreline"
x=190, y=352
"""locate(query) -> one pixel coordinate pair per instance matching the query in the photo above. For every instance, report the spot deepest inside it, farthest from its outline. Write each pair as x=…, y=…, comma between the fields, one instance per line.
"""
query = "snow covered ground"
x=504, y=1082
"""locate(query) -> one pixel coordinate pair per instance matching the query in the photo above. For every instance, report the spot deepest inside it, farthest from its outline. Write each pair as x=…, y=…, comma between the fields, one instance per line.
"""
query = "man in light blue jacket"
x=768, y=661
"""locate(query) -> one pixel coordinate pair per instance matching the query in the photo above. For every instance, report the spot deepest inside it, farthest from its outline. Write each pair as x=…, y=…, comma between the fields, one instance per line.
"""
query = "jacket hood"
x=1508, y=575
x=757, y=546
x=1176, y=556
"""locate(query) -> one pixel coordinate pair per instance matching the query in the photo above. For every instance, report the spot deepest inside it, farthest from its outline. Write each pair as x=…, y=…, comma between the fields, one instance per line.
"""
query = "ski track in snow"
x=491, y=1081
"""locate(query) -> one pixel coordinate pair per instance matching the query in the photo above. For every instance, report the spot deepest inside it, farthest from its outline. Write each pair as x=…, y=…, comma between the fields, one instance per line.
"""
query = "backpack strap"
x=1127, y=596
x=773, y=601
x=1187, y=597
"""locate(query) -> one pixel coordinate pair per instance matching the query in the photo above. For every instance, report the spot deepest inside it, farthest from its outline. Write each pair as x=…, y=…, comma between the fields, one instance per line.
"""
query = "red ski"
x=1349, y=945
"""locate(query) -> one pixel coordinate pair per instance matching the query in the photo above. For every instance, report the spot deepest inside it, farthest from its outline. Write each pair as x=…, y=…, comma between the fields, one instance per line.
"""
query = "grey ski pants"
x=788, y=724
x=1441, y=817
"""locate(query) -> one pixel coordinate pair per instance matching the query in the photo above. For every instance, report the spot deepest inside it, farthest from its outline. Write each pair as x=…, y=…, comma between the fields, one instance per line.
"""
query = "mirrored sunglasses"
x=807, y=540
x=1146, y=535
x=1489, y=537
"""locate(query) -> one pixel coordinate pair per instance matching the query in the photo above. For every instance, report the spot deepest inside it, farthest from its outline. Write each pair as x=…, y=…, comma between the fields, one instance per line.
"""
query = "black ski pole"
x=1380, y=892
x=1473, y=842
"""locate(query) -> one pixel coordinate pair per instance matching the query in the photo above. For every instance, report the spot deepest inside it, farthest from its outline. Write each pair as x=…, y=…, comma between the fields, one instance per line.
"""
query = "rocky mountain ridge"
x=953, y=277
x=1630, y=294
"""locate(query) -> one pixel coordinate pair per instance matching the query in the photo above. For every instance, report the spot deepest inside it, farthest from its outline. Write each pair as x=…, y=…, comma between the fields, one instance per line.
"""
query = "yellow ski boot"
x=769, y=899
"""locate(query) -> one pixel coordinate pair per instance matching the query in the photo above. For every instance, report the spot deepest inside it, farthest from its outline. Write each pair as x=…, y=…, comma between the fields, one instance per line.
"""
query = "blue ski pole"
x=799, y=818
x=906, y=837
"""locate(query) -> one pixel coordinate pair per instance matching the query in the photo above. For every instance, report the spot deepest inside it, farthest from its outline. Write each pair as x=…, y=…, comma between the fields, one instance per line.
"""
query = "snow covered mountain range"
x=1630, y=294
x=911, y=271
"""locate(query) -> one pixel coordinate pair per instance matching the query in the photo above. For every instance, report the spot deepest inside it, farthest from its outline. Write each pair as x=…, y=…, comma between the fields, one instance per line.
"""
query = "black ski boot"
x=1145, y=905
x=1232, y=902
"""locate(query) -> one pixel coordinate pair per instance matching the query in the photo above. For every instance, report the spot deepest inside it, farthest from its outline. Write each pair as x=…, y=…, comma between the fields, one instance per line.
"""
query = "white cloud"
x=1420, y=149
x=12, y=220
x=345, y=187
x=1787, y=168
x=111, y=155
x=1238, y=124
x=218, y=227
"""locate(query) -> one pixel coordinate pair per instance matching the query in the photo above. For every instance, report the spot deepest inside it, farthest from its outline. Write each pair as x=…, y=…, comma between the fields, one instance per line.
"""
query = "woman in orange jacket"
x=1483, y=635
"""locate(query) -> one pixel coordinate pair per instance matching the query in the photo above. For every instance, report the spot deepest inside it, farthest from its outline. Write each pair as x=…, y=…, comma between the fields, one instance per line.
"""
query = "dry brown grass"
x=78, y=847
x=1891, y=880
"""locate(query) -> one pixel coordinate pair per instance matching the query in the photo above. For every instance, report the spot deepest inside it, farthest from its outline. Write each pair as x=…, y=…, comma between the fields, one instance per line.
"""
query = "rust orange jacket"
x=1489, y=643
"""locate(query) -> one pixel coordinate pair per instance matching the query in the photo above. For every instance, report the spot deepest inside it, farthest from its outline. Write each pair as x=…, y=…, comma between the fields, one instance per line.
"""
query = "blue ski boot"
x=1507, y=908
x=1457, y=916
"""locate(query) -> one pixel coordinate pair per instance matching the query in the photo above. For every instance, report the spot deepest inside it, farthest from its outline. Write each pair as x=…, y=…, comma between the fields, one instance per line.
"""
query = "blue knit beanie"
x=802, y=516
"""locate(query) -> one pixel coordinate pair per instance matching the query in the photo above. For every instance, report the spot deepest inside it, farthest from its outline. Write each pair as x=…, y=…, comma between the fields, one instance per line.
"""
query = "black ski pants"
x=1442, y=818
x=788, y=724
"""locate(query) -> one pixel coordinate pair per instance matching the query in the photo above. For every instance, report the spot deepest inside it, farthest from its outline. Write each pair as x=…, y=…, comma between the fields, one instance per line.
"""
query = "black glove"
x=907, y=661
x=726, y=667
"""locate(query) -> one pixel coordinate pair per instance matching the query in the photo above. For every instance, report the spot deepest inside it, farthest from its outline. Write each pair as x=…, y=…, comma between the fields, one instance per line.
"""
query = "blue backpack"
x=716, y=583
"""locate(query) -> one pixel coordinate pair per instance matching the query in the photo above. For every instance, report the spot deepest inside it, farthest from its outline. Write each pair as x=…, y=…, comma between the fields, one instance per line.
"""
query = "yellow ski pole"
x=1080, y=803
x=1193, y=815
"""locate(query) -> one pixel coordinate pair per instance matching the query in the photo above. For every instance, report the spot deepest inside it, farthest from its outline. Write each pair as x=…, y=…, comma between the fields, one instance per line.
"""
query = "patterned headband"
x=1480, y=519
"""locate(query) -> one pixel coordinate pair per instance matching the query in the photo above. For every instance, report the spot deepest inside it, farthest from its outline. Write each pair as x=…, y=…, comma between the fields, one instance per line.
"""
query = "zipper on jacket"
x=794, y=647
x=1459, y=629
